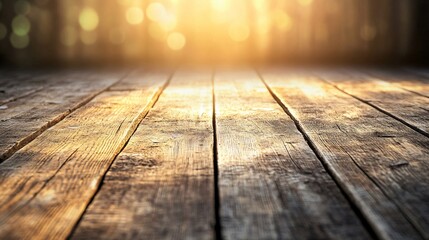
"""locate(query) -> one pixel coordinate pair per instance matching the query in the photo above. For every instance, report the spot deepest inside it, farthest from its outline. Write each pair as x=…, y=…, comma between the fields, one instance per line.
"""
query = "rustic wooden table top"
x=273, y=153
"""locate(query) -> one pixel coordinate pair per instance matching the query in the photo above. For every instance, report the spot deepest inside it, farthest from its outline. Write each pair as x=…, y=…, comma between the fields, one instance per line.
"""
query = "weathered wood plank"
x=271, y=184
x=379, y=162
x=15, y=85
x=406, y=80
x=26, y=118
x=47, y=184
x=161, y=186
x=407, y=107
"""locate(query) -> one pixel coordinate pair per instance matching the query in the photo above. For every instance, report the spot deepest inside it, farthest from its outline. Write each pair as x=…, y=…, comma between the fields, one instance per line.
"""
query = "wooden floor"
x=275, y=153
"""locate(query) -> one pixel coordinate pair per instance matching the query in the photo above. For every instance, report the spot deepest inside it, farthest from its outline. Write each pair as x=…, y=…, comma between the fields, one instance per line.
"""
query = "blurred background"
x=130, y=32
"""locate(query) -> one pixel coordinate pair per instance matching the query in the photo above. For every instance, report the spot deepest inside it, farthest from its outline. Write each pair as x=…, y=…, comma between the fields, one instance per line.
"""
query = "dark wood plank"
x=379, y=162
x=26, y=118
x=271, y=184
x=407, y=107
x=47, y=184
x=420, y=72
x=19, y=84
x=161, y=186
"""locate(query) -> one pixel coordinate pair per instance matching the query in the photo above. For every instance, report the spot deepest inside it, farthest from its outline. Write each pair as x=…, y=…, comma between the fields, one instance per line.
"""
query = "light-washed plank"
x=271, y=184
x=407, y=80
x=407, y=107
x=379, y=162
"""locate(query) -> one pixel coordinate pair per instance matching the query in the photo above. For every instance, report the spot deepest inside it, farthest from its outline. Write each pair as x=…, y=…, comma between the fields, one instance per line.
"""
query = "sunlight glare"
x=282, y=20
x=134, y=15
x=309, y=89
x=239, y=31
x=176, y=41
x=156, y=12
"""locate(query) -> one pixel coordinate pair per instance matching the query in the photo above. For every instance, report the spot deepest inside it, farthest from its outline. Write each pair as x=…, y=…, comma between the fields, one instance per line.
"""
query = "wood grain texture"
x=413, y=81
x=47, y=185
x=18, y=84
x=161, y=186
x=271, y=184
x=26, y=118
x=379, y=162
x=407, y=107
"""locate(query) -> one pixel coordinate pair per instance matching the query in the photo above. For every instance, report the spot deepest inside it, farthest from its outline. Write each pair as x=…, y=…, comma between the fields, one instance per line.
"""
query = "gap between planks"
x=102, y=181
x=51, y=120
x=403, y=121
x=319, y=156
x=410, y=222
x=29, y=85
x=218, y=223
x=409, y=109
x=270, y=179
x=52, y=219
x=166, y=167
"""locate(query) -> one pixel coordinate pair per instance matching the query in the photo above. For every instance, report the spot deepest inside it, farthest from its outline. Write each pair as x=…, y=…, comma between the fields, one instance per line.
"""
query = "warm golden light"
x=305, y=2
x=282, y=20
x=88, y=19
x=134, y=15
x=239, y=31
x=176, y=41
x=226, y=31
x=156, y=12
x=308, y=88
x=220, y=5
x=168, y=23
x=156, y=32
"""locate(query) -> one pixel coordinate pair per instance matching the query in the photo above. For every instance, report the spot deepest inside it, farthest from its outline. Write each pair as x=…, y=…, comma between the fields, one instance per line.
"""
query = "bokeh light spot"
x=21, y=25
x=19, y=42
x=134, y=15
x=88, y=19
x=239, y=31
x=176, y=41
x=282, y=20
x=168, y=23
x=156, y=12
